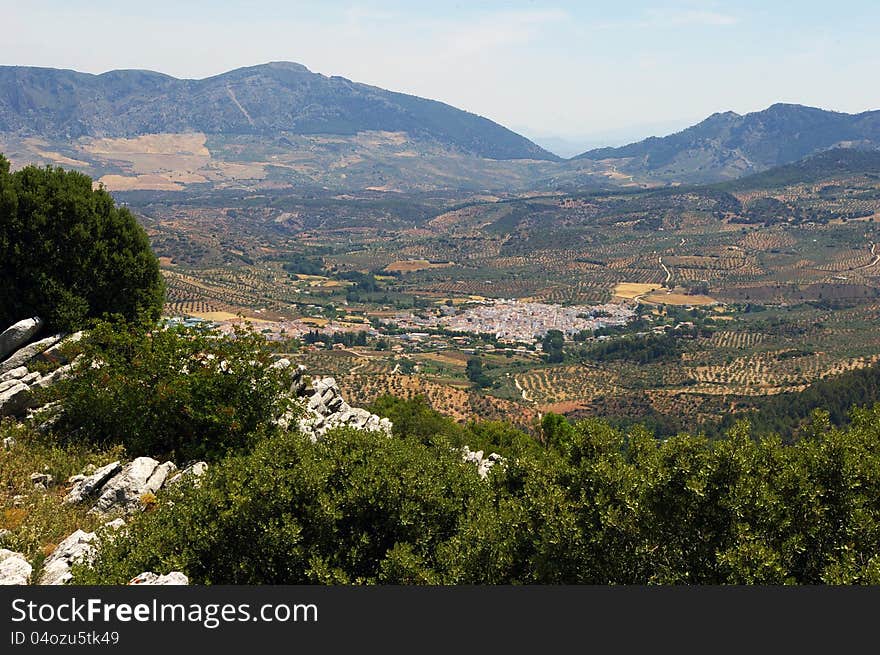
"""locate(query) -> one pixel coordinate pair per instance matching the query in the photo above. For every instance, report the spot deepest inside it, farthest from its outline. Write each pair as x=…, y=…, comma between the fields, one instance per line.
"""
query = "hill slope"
x=837, y=163
x=269, y=99
x=728, y=145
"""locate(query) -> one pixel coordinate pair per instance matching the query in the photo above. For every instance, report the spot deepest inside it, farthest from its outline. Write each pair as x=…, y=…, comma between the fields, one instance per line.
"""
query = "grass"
x=37, y=519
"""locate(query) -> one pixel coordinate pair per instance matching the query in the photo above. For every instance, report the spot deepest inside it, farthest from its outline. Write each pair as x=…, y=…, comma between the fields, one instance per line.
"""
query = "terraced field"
x=794, y=267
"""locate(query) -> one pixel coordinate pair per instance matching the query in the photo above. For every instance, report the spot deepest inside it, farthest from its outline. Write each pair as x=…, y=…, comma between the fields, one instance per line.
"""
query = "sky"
x=576, y=72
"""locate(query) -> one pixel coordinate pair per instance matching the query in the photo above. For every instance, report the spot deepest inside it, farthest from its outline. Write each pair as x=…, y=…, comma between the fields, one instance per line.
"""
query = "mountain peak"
x=728, y=145
x=268, y=99
x=286, y=65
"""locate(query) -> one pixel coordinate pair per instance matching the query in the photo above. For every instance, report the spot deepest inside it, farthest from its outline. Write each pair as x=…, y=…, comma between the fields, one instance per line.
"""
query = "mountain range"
x=729, y=145
x=267, y=99
x=279, y=125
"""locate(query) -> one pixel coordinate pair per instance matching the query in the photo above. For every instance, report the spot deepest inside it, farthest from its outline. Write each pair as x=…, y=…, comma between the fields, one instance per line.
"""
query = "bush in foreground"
x=593, y=505
x=179, y=393
x=357, y=507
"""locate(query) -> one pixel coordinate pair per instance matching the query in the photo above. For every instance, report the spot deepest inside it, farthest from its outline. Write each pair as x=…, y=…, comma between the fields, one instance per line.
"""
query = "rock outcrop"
x=16, y=399
x=14, y=568
x=150, y=578
x=323, y=407
x=483, y=464
x=193, y=471
x=75, y=549
x=86, y=486
x=17, y=335
x=18, y=383
x=24, y=355
x=122, y=489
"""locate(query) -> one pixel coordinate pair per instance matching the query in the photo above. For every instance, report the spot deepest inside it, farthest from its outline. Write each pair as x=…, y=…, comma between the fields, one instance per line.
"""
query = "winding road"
x=876, y=258
x=525, y=396
x=663, y=266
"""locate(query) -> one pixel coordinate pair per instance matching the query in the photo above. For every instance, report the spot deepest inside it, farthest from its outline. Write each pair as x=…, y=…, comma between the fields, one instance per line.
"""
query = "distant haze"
x=567, y=70
x=569, y=145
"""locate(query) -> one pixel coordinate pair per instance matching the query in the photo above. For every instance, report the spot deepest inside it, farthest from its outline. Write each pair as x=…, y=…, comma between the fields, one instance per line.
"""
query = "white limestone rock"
x=14, y=568
x=14, y=374
x=150, y=578
x=124, y=491
x=43, y=479
x=60, y=373
x=79, y=547
x=76, y=548
x=54, y=354
x=24, y=355
x=483, y=464
x=17, y=335
x=16, y=400
x=194, y=471
x=89, y=485
x=10, y=384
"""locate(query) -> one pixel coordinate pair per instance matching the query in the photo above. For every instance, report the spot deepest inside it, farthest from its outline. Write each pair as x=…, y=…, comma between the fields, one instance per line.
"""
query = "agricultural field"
x=739, y=291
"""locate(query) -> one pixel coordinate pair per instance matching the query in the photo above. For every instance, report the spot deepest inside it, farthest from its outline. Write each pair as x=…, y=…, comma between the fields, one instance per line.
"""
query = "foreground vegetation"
x=588, y=505
x=572, y=503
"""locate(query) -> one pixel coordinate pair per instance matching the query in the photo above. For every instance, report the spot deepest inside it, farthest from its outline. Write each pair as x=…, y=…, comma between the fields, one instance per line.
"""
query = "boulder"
x=483, y=464
x=140, y=476
x=16, y=400
x=150, y=578
x=115, y=524
x=14, y=568
x=77, y=548
x=43, y=479
x=195, y=471
x=14, y=374
x=17, y=335
x=9, y=384
x=87, y=486
x=74, y=549
x=24, y=355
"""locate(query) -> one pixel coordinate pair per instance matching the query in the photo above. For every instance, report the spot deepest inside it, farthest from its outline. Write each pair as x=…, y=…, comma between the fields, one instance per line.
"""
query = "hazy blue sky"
x=591, y=70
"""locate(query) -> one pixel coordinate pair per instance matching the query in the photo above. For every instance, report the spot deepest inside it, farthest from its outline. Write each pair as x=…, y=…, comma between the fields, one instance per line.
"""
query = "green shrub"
x=592, y=506
x=180, y=393
x=356, y=507
x=68, y=253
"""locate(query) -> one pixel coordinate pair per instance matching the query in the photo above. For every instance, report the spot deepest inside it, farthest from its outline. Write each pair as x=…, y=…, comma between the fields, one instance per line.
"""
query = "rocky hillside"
x=728, y=145
x=110, y=496
x=277, y=99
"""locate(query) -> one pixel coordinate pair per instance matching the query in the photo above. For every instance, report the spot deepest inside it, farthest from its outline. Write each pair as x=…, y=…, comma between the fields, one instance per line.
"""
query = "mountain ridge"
x=727, y=145
x=264, y=99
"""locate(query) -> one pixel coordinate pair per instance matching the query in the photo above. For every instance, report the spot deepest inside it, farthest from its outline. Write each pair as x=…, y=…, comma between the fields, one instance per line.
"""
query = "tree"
x=552, y=344
x=475, y=373
x=69, y=254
